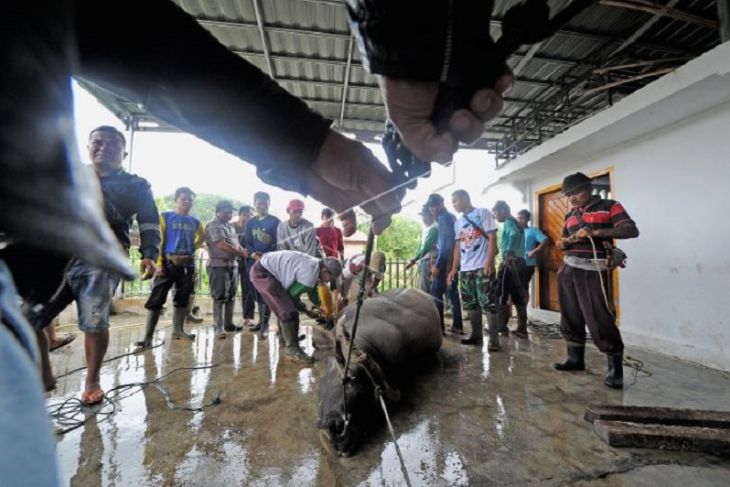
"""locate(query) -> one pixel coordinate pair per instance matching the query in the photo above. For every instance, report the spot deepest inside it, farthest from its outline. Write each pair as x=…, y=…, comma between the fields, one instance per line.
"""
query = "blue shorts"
x=93, y=289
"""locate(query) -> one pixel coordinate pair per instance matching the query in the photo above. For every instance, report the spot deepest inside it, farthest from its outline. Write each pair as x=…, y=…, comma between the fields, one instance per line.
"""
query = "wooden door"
x=553, y=207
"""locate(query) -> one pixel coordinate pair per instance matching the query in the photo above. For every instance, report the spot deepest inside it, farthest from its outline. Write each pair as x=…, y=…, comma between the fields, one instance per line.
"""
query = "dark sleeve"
x=395, y=42
x=148, y=219
x=248, y=236
x=426, y=42
x=446, y=240
x=160, y=57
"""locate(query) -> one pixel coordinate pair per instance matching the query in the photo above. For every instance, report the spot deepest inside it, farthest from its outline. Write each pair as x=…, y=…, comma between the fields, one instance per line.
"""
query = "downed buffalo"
x=398, y=335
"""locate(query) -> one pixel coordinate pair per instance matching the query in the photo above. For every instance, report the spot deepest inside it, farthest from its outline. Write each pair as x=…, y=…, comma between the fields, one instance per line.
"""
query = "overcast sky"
x=170, y=160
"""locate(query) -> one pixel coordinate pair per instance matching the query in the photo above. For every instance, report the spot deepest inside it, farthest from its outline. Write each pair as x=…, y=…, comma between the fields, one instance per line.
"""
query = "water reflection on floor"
x=476, y=419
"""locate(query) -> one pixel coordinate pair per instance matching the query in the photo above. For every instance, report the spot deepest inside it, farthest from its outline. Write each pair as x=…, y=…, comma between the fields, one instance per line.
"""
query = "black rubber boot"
x=228, y=317
x=178, y=320
x=521, y=331
x=290, y=330
x=493, y=326
x=503, y=312
x=477, y=332
x=615, y=376
x=153, y=316
x=575, y=360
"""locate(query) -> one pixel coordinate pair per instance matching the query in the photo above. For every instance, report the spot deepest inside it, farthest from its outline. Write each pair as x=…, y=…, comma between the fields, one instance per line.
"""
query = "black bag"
x=615, y=257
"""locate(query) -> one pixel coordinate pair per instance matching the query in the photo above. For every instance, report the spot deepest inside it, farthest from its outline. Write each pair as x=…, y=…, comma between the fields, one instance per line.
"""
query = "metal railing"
x=395, y=275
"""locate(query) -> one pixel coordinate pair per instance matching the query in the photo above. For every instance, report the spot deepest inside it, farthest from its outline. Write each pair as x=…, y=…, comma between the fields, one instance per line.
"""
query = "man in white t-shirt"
x=281, y=277
x=476, y=237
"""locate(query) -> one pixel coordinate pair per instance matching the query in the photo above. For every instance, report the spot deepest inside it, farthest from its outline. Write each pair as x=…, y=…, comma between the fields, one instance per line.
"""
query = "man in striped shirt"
x=585, y=275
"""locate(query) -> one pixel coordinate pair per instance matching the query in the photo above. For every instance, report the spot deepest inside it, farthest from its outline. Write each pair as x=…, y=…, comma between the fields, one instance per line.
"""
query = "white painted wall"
x=675, y=293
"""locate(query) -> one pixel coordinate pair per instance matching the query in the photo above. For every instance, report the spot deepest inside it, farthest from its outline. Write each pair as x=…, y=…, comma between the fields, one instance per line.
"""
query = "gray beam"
x=350, y=47
x=641, y=30
x=264, y=44
x=723, y=18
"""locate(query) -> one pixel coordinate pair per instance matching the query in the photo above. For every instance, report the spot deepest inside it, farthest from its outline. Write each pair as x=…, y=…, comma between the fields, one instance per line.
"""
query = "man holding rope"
x=585, y=275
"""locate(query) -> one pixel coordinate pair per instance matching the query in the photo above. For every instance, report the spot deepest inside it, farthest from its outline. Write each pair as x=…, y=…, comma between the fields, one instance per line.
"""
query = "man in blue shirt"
x=440, y=269
x=535, y=244
x=182, y=235
x=260, y=239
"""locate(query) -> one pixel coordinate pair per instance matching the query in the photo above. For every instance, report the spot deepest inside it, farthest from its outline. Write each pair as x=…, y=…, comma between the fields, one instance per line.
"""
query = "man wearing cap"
x=261, y=233
x=442, y=265
x=427, y=250
x=223, y=252
x=281, y=277
x=475, y=233
x=511, y=269
x=589, y=228
x=182, y=235
x=297, y=233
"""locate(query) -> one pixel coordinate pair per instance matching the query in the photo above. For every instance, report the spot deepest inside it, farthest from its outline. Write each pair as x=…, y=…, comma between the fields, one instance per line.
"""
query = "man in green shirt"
x=511, y=244
x=426, y=250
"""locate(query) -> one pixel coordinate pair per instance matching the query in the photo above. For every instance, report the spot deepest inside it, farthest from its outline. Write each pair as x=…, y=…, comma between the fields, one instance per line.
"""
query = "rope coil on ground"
x=71, y=413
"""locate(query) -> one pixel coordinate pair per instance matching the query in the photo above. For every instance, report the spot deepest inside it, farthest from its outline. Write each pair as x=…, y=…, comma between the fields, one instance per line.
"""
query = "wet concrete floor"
x=479, y=418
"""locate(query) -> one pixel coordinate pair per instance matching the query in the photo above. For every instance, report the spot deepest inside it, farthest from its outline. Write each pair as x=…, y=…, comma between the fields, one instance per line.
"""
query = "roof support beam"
x=264, y=44
x=665, y=11
x=350, y=47
x=641, y=31
x=723, y=17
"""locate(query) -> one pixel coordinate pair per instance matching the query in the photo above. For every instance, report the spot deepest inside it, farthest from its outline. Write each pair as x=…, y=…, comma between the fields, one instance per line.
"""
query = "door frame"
x=536, y=217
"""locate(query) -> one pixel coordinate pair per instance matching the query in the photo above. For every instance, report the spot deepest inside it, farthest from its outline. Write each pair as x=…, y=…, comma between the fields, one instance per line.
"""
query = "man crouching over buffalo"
x=281, y=278
x=398, y=333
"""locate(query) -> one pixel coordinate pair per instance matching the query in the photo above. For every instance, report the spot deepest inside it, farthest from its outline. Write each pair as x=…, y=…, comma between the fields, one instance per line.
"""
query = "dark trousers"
x=274, y=294
x=438, y=289
x=510, y=278
x=223, y=283
x=248, y=292
x=582, y=304
x=527, y=277
x=182, y=277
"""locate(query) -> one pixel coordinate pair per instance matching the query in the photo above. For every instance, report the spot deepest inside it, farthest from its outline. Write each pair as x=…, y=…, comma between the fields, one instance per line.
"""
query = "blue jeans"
x=93, y=289
x=438, y=289
x=25, y=434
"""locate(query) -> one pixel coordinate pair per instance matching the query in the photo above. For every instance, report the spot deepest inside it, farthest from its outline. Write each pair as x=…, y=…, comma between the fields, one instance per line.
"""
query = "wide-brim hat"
x=574, y=182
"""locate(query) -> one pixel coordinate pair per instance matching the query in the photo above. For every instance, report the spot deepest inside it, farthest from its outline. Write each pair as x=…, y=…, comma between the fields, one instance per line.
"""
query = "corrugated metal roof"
x=308, y=43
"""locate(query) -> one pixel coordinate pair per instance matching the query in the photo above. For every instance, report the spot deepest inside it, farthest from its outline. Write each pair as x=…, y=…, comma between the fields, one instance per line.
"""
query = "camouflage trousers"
x=478, y=290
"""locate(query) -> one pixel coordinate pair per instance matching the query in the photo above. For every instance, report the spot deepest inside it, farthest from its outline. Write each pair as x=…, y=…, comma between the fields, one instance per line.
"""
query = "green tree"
x=203, y=208
x=401, y=239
